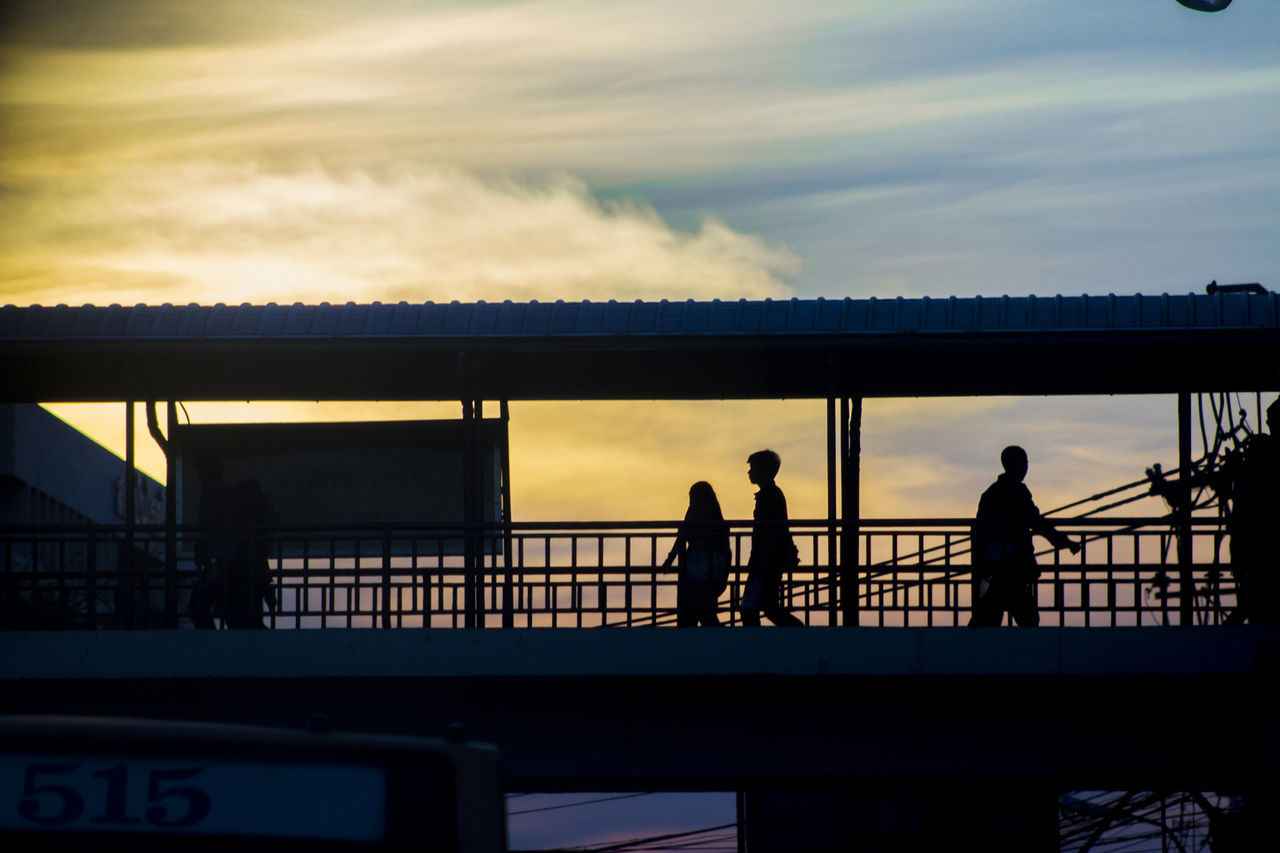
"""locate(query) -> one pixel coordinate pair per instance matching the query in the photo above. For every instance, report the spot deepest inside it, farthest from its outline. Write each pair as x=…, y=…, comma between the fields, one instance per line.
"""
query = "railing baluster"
x=919, y=577
x=627, y=601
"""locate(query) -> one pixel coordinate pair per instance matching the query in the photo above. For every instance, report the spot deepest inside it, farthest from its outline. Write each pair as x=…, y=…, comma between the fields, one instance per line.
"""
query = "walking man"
x=1004, y=561
x=772, y=551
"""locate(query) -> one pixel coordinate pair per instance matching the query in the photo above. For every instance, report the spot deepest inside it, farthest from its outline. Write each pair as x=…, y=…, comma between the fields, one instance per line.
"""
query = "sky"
x=267, y=150
x=236, y=151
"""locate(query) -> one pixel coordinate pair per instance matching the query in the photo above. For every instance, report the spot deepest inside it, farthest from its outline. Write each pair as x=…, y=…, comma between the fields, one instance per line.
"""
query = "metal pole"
x=833, y=528
x=850, y=452
x=387, y=611
x=508, y=591
x=740, y=807
x=171, y=520
x=477, y=511
x=855, y=494
x=1186, y=579
x=469, y=520
x=125, y=596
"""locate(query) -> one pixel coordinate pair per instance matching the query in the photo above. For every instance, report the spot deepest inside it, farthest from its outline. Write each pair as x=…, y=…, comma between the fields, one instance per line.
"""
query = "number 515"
x=48, y=804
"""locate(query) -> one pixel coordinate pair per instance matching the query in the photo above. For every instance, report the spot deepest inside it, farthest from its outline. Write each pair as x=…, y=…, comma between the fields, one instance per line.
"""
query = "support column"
x=508, y=590
x=477, y=509
x=125, y=590
x=851, y=454
x=171, y=520
x=170, y=507
x=1186, y=578
x=833, y=524
x=471, y=501
x=740, y=803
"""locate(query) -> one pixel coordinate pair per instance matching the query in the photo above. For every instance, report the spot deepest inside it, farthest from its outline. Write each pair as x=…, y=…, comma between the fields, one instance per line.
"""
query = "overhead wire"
x=1147, y=809
x=1115, y=822
x=581, y=803
x=1205, y=497
x=637, y=843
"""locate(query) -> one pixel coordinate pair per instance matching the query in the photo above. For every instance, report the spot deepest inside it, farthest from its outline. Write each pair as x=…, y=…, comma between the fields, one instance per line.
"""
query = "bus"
x=148, y=785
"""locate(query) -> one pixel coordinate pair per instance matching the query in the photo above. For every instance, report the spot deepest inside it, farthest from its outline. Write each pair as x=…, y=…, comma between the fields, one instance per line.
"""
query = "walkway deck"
x=657, y=709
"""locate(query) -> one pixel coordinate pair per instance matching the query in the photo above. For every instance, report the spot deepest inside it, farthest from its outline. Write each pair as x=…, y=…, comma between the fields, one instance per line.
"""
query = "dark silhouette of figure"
x=1255, y=516
x=1246, y=481
x=212, y=547
x=772, y=551
x=1004, y=561
x=233, y=570
x=702, y=547
x=249, y=572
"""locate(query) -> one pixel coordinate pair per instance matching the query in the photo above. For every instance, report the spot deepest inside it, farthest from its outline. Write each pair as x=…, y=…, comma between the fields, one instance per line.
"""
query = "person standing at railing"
x=1003, y=558
x=233, y=579
x=1253, y=522
x=772, y=550
x=248, y=580
x=213, y=546
x=702, y=547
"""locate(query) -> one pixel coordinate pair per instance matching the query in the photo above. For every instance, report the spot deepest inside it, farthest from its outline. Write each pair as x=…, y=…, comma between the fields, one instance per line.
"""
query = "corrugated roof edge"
x=820, y=316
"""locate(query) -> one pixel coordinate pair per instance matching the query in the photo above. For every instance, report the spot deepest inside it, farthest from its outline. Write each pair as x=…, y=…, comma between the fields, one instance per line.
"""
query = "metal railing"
x=911, y=572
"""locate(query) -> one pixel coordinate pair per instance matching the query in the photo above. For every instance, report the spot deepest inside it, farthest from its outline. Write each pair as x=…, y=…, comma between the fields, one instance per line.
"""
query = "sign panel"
x=338, y=473
x=83, y=783
x=192, y=797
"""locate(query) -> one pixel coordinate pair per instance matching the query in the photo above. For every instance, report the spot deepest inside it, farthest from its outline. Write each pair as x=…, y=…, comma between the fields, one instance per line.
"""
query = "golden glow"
x=384, y=151
x=619, y=461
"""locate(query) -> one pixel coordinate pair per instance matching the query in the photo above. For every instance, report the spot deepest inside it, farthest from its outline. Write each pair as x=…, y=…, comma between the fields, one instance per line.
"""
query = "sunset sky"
x=321, y=150
x=253, y=150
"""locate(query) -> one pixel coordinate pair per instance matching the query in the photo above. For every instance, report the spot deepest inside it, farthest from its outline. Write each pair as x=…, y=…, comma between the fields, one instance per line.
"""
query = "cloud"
x=214, y=232
x=88, y=25
x=612, y=92
x=405, y=150
x=334, y=145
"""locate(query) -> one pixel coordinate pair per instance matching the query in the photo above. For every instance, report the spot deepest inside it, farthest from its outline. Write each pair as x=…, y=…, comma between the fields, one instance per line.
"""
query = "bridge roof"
x=636, y=350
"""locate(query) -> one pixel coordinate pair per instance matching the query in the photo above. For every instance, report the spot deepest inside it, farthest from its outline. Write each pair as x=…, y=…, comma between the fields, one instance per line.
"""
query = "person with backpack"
x=772, y=549
x=702, y=548
x=1003, y=558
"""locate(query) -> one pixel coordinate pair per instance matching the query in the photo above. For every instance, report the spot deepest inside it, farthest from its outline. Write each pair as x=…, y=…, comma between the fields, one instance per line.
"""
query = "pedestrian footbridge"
x=556, y=640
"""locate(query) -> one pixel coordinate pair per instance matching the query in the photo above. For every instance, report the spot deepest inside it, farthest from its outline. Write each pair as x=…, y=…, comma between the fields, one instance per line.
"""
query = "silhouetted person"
x=1253, y=524
x=702, y=547
x=233, y=578
x=212, y=551
x=772, y=551
x=1004, y=561
x=248, y=581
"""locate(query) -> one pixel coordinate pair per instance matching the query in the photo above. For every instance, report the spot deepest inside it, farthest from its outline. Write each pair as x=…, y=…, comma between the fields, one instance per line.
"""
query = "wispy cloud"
x=212, y=232
x=325, y=147
x=248, y=150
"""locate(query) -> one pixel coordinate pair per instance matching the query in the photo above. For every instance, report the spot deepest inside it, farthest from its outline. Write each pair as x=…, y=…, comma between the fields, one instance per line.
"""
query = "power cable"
x=1150, y=808
x=637, y=842
x=581, y=803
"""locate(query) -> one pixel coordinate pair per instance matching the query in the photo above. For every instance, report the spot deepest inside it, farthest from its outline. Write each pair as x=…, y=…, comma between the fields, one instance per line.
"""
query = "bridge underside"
x=694, y=709
x=1037, y=363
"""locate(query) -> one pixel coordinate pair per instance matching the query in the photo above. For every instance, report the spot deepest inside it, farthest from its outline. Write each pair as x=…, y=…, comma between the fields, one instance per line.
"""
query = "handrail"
x=500, y=527
x=912, y=571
